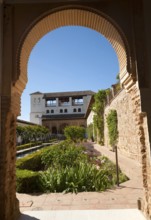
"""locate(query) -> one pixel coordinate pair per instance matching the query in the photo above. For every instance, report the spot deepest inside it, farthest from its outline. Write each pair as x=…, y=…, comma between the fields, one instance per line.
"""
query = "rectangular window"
x=77, y=101
x=51, y=102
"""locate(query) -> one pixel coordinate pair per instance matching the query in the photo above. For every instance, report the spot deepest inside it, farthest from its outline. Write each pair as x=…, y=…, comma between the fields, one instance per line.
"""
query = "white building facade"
x=55, y=110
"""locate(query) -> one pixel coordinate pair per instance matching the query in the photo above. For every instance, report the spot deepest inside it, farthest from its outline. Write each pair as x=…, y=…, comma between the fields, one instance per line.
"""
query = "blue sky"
x=69, y=59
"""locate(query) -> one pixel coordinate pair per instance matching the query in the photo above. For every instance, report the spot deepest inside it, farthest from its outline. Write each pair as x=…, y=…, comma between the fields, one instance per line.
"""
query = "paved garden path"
x=123, y=197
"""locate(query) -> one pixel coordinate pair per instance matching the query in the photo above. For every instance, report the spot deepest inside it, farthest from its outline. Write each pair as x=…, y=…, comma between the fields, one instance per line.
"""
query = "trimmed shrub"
x=74, y=133
x=28, y=181
x=31, y=162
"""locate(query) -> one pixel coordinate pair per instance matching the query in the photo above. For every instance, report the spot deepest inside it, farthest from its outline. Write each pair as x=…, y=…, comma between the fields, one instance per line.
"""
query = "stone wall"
x=146, y=165
x=133, y=136
x=126, y=107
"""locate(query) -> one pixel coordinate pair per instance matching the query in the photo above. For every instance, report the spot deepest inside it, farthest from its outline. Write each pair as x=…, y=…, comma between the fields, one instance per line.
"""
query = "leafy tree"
x=20, y=130
x=32, y=133
x=74, y=133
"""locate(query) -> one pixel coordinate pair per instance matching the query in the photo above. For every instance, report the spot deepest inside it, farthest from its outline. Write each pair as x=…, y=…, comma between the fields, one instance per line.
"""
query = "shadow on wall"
x=27, y=217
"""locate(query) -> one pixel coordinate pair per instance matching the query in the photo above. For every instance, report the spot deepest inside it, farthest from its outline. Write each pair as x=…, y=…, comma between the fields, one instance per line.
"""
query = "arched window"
x=52, y=111
x=74, y=110
x=79, y=109
x=66, y=110
x=47, y=111
x=61, y=110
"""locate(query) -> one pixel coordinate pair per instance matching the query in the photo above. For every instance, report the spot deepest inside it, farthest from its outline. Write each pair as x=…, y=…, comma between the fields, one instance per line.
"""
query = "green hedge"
x=28, y=181
x=29, y=145
x=31, y=162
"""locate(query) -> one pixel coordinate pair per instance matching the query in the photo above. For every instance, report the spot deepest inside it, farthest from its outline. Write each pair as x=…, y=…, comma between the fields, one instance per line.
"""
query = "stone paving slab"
x=118, y=214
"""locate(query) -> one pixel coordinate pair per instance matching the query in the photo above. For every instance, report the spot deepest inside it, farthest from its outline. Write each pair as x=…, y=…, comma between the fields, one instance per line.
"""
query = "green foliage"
x=64, y=168
x=20, y=130
x=31, y=162
x=84, y=177
x=52, y=140
x=98, y=119
x=110, y=167
x=99, y=98
x=112, y=127
x=118, y=76
x=32, y=133
x=62, y=155
x=108, y=91
x=74, y=133
x=90, y=131
x=118, y=87
x=28, y=181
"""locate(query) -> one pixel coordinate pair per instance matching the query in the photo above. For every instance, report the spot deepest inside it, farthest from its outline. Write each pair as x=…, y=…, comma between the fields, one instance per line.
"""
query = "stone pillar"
x=9, y=206
x=9, y=102
x=1, y=52
x=70, y=101
x=1, y=156
x=57, y=102
x=143, y=134
x=142, y=30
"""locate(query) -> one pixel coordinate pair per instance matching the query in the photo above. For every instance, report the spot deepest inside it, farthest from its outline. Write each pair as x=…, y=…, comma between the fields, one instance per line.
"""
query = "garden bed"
x=65, y=167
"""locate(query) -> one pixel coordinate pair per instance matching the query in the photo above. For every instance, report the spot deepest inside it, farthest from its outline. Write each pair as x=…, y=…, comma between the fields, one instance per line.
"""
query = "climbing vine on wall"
x=90, y=131
x=98, y=120
x=112, y=124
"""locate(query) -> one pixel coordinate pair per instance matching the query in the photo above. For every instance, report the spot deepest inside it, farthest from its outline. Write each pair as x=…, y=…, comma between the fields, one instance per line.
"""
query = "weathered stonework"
x=133, y=136
x=7, y=163
x=146, y=164
x=127, y=105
